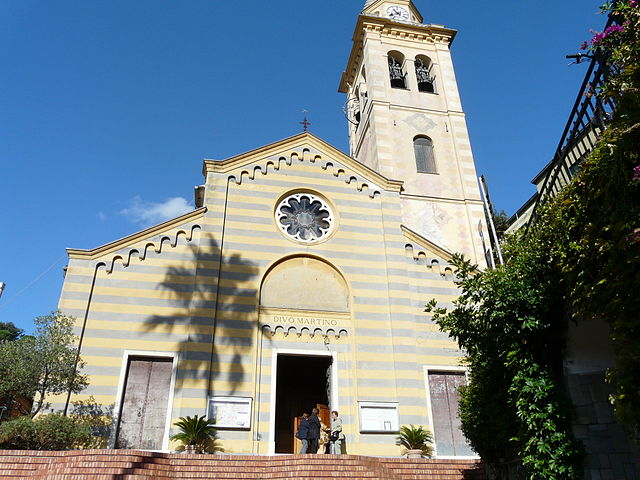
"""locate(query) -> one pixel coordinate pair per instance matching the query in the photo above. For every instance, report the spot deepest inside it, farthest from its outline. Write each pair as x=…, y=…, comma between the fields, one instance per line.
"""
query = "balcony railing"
x=589, y=116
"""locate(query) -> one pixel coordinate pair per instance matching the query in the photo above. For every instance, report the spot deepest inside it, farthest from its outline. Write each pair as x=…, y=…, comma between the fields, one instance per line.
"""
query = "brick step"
x=97, y=476
x=231, y=461
x=336, y=470
x=195, y=475
x=16, y=473
x=430, y=469
x=23, y=459
x=140, y=465
x=117, y=463
x=297, y=475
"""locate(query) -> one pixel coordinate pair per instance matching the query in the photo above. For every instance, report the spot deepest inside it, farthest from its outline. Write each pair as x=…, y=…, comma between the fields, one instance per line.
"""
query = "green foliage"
x=197, y=431
x=98, y=418
x=46, y=432
x=416, y=438
x=501, y=222
x=479, y=400
x=9, y=332
x=504, y=320
x=603, y=257
x=42, y=364
x=580, y=260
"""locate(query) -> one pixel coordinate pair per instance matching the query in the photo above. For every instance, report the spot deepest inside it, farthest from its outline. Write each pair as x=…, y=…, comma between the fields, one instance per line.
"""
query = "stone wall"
x=609, y=453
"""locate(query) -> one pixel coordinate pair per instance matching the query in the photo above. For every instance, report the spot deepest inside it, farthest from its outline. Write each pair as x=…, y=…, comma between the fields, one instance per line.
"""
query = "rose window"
x=304, y=217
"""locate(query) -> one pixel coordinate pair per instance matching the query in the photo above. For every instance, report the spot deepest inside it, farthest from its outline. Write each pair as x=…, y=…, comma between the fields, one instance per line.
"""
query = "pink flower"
x=633, y=3
x=613, y=28
x=634, y=236
x=600, y=36
x=584, y=45
x=636, y=173
x=597, y=38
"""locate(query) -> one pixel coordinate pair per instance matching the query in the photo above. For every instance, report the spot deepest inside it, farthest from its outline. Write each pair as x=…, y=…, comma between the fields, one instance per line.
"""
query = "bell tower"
x=406, y=122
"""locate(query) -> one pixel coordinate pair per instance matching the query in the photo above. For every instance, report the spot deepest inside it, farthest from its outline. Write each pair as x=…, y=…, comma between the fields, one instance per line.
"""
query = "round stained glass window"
x=304, y=217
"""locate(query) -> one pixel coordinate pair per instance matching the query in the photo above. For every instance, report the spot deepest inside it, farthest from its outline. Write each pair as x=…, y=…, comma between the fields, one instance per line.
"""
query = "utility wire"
x=32, y=282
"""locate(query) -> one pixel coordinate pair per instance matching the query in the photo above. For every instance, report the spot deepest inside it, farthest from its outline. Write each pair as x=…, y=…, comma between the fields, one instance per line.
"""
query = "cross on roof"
x=305, y=123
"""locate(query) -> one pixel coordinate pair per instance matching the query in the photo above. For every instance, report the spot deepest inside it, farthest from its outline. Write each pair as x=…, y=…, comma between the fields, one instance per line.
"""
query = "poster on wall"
x=230, y=412
x=378, y=417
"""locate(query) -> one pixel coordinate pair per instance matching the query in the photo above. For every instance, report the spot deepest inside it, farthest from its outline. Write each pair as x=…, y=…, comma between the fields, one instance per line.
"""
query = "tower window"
x=396, y=72
x=425, y=160
x=426, y=79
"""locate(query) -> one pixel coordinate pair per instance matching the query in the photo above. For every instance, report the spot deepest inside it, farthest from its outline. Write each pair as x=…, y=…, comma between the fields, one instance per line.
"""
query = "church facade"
x=301, y=277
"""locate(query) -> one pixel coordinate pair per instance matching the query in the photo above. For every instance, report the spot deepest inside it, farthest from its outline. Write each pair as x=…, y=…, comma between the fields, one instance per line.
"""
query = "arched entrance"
x=304, y=297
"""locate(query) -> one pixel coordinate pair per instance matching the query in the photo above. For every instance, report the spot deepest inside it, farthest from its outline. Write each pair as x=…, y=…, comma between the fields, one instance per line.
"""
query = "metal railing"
x=588, y=118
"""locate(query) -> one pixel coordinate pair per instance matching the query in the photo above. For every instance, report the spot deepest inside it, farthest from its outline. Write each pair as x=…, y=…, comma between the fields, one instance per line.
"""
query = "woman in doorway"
x=303, y=431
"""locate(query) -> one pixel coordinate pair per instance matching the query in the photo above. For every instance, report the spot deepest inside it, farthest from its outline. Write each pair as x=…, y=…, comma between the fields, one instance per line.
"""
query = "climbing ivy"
x=579, y=260
x=602, y=268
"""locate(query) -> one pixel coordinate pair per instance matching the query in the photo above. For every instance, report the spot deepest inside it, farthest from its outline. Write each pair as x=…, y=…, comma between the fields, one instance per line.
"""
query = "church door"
x=143, y=413
x=300, y=386
x=443, y=387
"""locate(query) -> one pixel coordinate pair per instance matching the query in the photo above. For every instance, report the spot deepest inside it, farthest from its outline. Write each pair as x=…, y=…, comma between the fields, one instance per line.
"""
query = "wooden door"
x=443, y=388
x=143, y=413
x=325, y=421
x=324, y=415
x=297, y=444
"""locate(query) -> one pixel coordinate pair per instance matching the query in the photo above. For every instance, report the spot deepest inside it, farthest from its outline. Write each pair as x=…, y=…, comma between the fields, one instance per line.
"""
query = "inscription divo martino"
x=304, y=321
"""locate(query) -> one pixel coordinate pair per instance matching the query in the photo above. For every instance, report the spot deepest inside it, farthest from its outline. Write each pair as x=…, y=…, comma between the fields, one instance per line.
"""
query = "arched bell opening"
x=424, y=74
x=397, y=74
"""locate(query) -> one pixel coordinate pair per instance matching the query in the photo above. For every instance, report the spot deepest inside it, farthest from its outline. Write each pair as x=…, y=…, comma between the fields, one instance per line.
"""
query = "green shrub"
x=98, y=418
x=47, y=432
x=415, y=438
x=197, y=431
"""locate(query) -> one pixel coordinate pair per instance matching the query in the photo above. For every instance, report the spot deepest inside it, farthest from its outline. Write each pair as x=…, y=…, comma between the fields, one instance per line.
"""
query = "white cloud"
x=149, y=213
x=101, y=216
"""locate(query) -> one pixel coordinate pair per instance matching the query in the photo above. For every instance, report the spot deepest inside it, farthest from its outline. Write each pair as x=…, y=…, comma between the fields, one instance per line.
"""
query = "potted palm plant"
x=197, y=434
x=417, y=441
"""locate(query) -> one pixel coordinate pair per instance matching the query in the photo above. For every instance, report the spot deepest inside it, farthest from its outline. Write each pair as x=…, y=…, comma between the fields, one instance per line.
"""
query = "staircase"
x=139, y=465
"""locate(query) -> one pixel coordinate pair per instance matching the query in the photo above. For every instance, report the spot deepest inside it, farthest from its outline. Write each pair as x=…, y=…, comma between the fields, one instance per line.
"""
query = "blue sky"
x=107, y=108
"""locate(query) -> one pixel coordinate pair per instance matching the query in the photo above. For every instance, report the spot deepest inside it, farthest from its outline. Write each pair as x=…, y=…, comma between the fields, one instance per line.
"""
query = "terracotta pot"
x=414, y=453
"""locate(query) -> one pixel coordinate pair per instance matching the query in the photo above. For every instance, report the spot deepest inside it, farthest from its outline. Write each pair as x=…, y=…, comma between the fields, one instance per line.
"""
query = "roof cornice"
x=427, y=244
x=297, y=141
x=386, y=26
x=76, y=253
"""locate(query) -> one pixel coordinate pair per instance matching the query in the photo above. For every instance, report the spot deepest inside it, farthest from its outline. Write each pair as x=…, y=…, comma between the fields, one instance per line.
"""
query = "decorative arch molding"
x=424, y=252
x=155, y=239
x=249, y=174
x=299, y=331
x=162, y=244
x=302, y=148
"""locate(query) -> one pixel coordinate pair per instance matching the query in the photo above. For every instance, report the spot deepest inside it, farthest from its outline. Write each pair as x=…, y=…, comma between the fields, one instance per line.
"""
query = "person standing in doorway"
x=314, y=431
x=303, y=431
x=336, y=436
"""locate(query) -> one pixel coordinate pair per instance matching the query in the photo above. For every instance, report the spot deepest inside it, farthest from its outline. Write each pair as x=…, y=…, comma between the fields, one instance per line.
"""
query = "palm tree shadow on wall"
x=217, y=330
